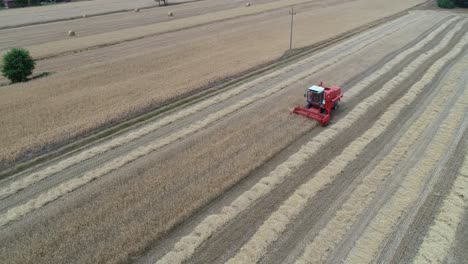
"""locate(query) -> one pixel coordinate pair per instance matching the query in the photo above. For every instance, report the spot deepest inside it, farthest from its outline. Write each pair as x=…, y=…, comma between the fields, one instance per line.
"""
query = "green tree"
x=446, y=3
x=17, y=65
x=27, y=2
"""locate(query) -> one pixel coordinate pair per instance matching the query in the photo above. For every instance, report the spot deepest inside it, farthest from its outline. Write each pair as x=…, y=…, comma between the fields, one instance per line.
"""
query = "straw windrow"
x=187, y=245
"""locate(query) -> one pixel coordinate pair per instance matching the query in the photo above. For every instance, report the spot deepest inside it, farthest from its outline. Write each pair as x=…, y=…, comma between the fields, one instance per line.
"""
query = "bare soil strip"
x=187, y=245
x=277, y=223
x=330, y=236
x=367, y=246
x=342, y=50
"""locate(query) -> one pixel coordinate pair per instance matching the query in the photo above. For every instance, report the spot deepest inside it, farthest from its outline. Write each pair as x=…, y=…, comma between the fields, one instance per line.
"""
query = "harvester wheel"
x=336, y=106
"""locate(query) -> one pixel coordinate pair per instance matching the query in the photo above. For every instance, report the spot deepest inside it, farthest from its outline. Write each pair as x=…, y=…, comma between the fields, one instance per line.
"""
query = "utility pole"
x=292, y=13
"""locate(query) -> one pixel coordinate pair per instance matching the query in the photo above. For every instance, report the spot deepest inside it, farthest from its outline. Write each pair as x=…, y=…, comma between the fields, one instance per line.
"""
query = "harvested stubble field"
x=26, y=16
x=91, y=89
x=237, y=178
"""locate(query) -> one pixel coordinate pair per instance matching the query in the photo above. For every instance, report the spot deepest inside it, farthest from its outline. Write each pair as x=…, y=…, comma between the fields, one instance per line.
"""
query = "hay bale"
x=247, y=4
x=71, y=33
x=170, y=14
x=136, y=10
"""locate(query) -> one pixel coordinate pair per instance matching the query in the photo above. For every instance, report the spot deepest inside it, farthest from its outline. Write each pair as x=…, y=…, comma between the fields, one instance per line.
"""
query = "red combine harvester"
x=320, y=102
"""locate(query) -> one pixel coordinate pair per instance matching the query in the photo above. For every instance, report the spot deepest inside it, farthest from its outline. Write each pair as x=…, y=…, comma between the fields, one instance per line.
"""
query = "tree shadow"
x=40, y=75
x=34, y=77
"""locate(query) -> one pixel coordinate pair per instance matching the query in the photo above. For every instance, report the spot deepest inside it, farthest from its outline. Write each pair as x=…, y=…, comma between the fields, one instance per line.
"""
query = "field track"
x=237, y=178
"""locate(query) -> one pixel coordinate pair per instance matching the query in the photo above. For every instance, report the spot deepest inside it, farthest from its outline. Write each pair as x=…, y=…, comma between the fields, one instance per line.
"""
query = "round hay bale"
x=136, y=10
x=71, y=33
x=247, y=4
x=85, y=15
x=170, y=13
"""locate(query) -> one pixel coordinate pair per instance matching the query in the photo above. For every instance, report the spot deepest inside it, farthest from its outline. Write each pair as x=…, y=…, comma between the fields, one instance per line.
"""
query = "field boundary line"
x=367, y=246
x=187, y=245
x=42, y=174
x=334, y=231
x=183, y=101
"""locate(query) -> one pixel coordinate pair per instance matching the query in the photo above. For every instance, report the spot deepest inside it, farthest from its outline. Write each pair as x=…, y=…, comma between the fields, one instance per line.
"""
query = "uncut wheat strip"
x=272, y=228
x=348, y=48
x=66, y=187
x=441, y=235
x=368, y=245
x=185, y=247
x=37, y=176
x=332, y=234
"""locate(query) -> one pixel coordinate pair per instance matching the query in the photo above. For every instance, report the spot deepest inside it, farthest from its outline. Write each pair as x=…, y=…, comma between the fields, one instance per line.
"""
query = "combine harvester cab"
x=320, y=102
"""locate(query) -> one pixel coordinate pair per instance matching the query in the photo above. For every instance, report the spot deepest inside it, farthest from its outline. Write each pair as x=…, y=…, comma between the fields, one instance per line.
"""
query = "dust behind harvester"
x=320, y=102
